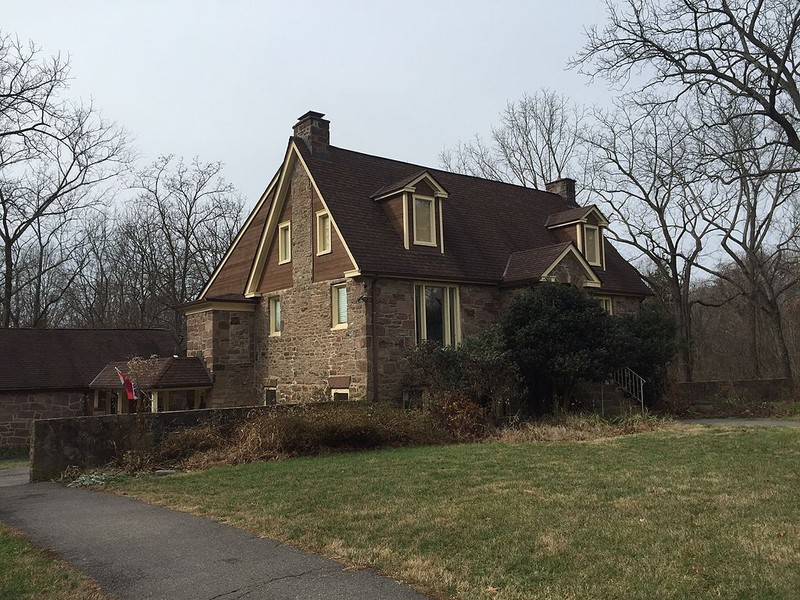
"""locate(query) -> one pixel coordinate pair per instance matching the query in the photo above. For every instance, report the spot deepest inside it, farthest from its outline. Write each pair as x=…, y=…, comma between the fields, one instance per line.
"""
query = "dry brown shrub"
x=577, y=428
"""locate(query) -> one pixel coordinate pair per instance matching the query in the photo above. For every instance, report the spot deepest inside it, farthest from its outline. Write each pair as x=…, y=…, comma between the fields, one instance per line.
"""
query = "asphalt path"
x=138, y=551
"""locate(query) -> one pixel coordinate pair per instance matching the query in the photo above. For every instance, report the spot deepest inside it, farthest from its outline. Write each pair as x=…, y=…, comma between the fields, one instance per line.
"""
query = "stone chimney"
x=564, y=187
x=314, y=131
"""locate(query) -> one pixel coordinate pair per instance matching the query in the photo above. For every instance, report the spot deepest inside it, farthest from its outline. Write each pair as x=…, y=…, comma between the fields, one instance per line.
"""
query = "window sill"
x=339, y=327
x=430, y=244
x=284, y=262
x=324, y=252
x=275, y=334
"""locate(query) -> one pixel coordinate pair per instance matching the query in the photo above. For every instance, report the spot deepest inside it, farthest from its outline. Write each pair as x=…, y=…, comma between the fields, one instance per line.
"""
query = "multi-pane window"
x=424, y=221
x=592, y=244
x=607, y=305
x=436, y=310
x=275, y=320
x=323, y=233
x=339, y=306
x=284, y=242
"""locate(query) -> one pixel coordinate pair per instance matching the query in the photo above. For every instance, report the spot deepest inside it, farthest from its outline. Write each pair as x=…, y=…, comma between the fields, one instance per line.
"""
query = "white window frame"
x=451, y=338
x=285, y=250
x=599, y=243
x=335, y=324
x=266, y=392
x=432, y=214
x=323, y=214
x=345, y=391
x=606, y=303
x=273, y=330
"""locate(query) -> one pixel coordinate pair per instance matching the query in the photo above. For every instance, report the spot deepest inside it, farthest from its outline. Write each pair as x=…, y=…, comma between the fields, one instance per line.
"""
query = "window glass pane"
x=591, y=245
x=285, y=243
x=341, y=305
x=423, y=221
x=434, y=314
x=324, y=234
x=276, y=314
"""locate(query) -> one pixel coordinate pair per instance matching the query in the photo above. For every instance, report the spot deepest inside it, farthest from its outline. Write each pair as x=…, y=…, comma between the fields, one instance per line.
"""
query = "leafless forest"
x=697, y=163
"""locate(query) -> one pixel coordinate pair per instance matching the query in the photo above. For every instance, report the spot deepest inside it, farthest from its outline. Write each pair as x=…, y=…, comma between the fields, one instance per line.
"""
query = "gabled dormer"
x=414, y=206
x=583, y=226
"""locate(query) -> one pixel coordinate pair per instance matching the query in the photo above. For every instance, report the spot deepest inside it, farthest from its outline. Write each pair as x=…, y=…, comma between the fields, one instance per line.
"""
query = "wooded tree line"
x=697, y=163
x=89, y=237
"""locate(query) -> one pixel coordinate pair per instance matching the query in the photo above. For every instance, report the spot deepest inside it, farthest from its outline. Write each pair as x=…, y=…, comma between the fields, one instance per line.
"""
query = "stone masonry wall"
x=299, y=361
x=623, y=305
x=19, y=409
x=395, y=329
x=224, y=339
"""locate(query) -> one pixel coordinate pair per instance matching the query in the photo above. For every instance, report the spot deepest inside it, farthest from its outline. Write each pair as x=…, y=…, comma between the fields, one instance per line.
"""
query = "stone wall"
x=625, y=305
x=299, y=361
x=224, y=340
x=86, y=442
x=395, y=329
x=19, y=409
x=719, y=393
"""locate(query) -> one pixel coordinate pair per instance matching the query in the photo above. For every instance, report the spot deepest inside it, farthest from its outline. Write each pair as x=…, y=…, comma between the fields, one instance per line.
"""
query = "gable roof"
x=160, y=373
x=68, y=359
x=485, y=222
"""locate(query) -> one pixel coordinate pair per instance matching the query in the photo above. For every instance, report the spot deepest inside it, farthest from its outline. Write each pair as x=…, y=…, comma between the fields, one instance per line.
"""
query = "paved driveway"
x=137, y=551
x=743, y=422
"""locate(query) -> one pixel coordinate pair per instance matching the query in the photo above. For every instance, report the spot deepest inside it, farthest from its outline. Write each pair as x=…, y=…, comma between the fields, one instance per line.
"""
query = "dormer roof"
x=535, y=264
x=408, y=184
x=575, y=215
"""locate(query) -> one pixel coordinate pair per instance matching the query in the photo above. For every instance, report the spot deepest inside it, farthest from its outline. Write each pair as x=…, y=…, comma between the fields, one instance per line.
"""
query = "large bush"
x=478, y=371
x=557, y=334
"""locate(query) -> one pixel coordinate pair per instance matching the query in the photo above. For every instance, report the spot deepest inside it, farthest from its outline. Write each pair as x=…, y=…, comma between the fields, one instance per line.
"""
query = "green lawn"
x=13, y=463
x=682, y=513
x=29, y=573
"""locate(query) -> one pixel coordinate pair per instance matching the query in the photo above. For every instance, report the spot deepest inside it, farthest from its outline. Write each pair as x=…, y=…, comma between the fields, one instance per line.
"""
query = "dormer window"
x=323, y=233
x=592, y=250
x=424, y=221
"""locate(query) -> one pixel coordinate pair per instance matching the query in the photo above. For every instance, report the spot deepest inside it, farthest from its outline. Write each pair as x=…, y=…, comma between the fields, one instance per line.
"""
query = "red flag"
x=127, y=384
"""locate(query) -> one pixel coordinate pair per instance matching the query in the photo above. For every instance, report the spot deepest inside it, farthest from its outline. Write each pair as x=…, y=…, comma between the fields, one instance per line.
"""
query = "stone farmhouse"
x=349, y=259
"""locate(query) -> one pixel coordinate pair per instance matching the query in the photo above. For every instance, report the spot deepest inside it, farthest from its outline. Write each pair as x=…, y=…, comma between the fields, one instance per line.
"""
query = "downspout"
x=374, y=349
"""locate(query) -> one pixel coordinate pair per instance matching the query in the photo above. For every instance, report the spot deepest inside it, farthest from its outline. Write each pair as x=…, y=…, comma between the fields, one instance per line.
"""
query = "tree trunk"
x=776, y=323
x=7, y=285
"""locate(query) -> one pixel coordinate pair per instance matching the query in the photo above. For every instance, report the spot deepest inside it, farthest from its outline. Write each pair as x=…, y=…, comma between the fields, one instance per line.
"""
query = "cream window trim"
x=405, y=222
x=323, y=233
x=336, y=309
x=340, y=391
x=598, y=257
x=284, y=242
x=606, y=303
x=275, y=316
x=451, y=313
x=431, y=210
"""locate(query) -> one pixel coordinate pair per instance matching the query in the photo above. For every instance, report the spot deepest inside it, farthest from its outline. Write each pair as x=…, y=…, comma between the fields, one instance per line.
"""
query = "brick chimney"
x=564, y=187
x=314, y=131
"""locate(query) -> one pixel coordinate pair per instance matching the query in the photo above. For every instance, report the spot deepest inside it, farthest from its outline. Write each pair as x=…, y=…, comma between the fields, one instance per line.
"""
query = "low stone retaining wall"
x=719, y=394
x=86, y=442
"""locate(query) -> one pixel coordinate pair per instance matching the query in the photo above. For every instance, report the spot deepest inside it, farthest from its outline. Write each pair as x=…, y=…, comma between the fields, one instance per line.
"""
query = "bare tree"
x=643, y=170
x=54, y=156
x=756, y=230
x=536, y=141
x=740, y=52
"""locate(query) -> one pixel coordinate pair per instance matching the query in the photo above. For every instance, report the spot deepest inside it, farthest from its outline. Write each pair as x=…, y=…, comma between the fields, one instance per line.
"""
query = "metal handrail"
x=631, y=383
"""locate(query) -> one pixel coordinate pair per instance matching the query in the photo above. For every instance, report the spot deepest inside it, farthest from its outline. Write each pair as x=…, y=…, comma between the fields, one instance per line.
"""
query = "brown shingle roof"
x=569, y=215
x=68, y=359
x=485, y=222
x=157, y=373
x=528, y=265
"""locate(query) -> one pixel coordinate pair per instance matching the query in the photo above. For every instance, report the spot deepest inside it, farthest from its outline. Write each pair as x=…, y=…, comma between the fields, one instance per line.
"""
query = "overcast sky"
x=226, y=80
